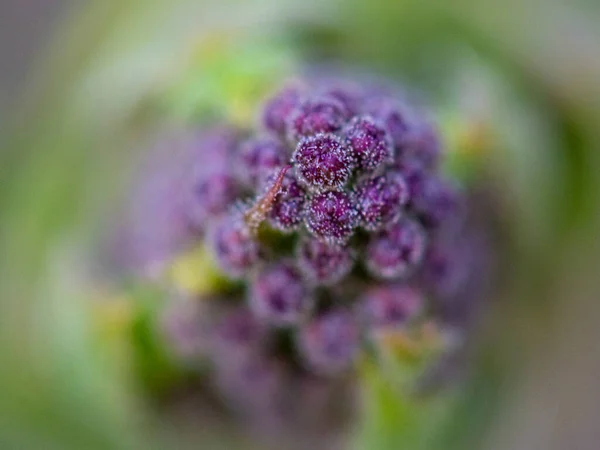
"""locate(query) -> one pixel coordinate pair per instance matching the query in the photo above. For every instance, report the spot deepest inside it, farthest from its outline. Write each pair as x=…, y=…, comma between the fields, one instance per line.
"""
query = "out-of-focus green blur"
x=527, y=73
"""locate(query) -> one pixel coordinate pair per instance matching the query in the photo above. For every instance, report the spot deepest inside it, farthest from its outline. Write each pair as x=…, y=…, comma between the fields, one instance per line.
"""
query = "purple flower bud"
x=437, y=203
x=331, y=217
x=370, y=143
x=330, y=343
x=234, y=247
x=287, y=210
x=322, y=263
x=395, y=251
x=210, y=197
x=390, y=306
x=333, y=159
x=279, y=296
x=394, y=117
x=316, y=115
x=277, y=110
x=323, y=162
x=260, y=157
x=380, y=200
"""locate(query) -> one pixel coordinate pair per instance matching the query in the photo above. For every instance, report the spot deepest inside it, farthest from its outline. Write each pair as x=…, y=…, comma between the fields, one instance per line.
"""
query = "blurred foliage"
x=531, y=130
x=228, y=75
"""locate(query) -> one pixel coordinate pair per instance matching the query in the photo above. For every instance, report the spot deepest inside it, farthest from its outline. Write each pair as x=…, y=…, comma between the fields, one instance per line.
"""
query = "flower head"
x=326, y=224
x=259, y=157
x=331, y=216
x=323, y=162
x=316, y=115
x=370, y=143
x=211, y=197
x=279, y=296
x=381, y=200
x=235, y=248
x=287, y=211
x=396, y=251
x=323, y=263
x=391, y=306
x=330, y=343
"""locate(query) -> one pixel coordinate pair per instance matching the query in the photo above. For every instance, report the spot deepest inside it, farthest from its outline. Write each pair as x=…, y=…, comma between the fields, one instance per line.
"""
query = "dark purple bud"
x=211, y=196
x=370, y=143
x=323, y=162
x=279, y=296
x=260, y=157
x=322, y=263
x=390, y=306
x=316, y=115
x=394, y=117
x=331, y=217
x=437, y=203
x=277, y=110
x=234, y=246
x=396, y=251
x=330, y=343
x=287, y=210
x=380, y=200
x=261, y=208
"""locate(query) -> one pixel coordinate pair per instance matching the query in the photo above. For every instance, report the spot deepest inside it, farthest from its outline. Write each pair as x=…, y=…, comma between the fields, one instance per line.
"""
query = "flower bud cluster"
x=334, y=221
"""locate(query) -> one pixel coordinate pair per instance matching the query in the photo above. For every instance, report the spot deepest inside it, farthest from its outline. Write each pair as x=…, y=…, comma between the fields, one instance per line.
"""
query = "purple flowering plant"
x=336, y=237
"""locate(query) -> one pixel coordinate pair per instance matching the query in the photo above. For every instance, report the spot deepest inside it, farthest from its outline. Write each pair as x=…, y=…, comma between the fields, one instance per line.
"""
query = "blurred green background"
x=106, y=74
